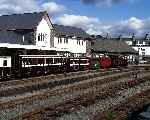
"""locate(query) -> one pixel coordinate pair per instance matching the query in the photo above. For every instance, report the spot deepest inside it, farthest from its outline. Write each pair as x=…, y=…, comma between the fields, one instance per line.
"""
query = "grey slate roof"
x=112, y=46
x=14, y=27
x=14, y=37
x=20, y=21
x=70, y=31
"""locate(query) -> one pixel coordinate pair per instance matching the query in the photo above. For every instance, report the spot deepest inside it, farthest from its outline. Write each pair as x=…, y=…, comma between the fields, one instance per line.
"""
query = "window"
x=42, y=37
x=140, y=42
x=39, y=37
x=5, y=63
x=143, y=53
x=78, y=42
x=60, y=40
x=133, y=42
x=65, y=40
x=82, y=42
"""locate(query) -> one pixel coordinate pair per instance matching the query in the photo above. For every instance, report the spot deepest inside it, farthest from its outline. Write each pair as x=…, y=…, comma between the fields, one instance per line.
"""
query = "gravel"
x=83, y=113
x=86, y=113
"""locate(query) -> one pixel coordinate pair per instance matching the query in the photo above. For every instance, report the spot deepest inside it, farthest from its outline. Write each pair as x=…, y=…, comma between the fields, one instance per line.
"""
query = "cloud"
x=77, y=20
x=95, y=26
x=22, y=6
x=53, y=7
x=104, y=2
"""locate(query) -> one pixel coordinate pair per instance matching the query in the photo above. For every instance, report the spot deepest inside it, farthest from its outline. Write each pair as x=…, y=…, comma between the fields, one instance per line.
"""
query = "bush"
x=110, y=116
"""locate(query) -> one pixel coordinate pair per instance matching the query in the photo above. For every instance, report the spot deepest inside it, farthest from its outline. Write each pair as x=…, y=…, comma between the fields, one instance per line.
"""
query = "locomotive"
x=108, y=61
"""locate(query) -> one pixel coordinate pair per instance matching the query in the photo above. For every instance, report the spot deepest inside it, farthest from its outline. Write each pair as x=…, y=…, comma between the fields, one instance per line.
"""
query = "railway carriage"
x=36, y=65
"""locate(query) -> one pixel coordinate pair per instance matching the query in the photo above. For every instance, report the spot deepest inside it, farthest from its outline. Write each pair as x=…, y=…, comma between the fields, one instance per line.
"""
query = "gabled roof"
x=112, y=46
x=14, y=37
x=21, y=21
x=70, y=31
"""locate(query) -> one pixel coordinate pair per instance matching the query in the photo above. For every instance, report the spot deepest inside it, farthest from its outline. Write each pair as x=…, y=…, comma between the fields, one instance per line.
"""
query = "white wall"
x=8, y=58
x=129, y=42
x=141, y=43
x=141, y=49
x=71, y=46
x=44, y=28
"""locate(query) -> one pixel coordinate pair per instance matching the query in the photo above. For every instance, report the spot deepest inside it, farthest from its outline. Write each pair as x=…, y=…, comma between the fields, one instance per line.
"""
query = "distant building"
x=141, y=45
x=112, y=46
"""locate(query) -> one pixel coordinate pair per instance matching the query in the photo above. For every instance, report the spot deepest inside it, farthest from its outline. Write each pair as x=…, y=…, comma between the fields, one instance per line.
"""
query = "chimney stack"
x=120, y=37
x=108, y=36
x=133, y=37
x=146, y=36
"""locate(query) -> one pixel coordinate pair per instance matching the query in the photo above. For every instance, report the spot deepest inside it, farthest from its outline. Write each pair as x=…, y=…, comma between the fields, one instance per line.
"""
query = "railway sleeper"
x=82, y=99
x=48, y=84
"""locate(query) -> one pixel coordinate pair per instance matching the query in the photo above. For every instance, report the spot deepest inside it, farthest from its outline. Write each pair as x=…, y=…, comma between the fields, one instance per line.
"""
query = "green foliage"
x=110, y=116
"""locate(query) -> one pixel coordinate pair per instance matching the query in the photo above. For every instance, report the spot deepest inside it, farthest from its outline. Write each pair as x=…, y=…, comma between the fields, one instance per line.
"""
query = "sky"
x=116, y=17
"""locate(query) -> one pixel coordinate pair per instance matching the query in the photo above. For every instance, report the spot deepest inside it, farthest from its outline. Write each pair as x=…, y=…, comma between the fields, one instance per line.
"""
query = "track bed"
x=65, y=101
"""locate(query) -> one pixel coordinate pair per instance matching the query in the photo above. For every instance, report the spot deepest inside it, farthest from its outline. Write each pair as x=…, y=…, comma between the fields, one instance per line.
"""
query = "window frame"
x=5, y=63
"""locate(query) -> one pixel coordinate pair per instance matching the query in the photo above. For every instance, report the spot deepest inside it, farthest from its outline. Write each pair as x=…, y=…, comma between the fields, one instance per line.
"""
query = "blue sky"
x=113, y=12
x=94, y=16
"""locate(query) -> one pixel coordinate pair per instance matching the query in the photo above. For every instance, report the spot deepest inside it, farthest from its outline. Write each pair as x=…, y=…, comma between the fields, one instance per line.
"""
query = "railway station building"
x=139, y=44
x=34, y=34
x=117, y=49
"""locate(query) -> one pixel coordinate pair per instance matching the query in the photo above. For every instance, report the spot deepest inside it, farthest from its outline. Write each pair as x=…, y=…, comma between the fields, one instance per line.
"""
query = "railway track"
x=24, y=104
x=21, y=86
x=121, y=111
x=91, y=101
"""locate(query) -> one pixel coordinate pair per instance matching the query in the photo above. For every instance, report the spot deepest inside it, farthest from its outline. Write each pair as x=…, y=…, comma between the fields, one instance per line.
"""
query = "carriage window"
x=49, y=61
x=5, y=63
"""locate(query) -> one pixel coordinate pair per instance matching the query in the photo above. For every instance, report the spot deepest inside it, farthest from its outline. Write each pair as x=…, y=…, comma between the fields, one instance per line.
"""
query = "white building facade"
x=142, y=46
x=71, y=39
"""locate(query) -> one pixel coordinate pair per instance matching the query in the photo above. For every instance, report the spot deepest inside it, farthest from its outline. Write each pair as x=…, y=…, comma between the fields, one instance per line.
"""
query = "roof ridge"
x=36, y=12
x=68, y=26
